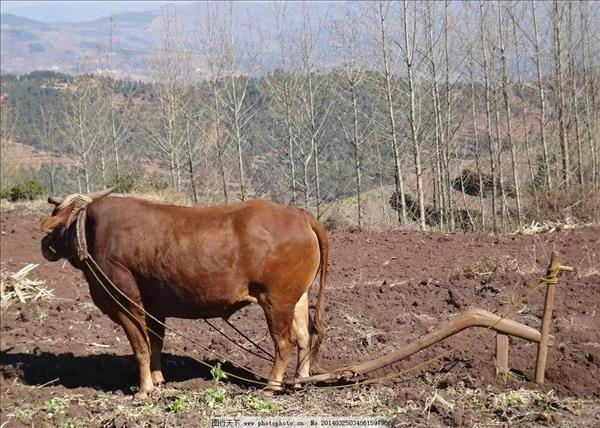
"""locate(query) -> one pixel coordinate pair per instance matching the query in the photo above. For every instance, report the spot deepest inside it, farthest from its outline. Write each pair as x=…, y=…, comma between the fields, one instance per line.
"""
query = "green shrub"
x=153, y=182
x=126, y=183
x=26, y=190
x=137, y=182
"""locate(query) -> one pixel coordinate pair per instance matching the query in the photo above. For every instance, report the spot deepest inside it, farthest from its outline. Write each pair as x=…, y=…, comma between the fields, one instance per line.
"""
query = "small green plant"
x=179, y=404
x=24, y=416
x=215, y=396
x=26, y=190
x=217, y=373
x=257, y=404
x=52, y=406
x=67, y=425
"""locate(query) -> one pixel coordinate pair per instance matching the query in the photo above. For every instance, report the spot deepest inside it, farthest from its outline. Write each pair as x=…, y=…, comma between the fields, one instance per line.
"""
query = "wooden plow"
x=504, y=328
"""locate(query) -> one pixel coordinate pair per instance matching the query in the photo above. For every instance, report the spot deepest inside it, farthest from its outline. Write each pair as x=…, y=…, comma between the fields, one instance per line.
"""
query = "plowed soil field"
x=63, y=362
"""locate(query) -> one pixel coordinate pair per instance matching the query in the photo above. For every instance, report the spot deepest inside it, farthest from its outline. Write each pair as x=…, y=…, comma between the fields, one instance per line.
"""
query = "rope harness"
x=551, y=278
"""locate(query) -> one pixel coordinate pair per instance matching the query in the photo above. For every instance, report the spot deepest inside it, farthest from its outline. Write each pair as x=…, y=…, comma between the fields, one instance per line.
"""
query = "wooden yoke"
x=551, y=279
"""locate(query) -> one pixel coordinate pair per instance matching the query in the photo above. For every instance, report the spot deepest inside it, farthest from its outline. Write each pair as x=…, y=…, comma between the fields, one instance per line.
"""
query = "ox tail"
x=317, y=324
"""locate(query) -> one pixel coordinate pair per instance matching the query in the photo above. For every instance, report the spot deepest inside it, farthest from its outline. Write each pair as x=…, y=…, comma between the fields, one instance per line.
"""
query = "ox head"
x=59, y=241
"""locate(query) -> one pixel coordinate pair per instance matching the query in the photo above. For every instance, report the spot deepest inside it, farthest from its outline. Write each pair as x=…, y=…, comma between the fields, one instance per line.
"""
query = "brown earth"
x=386, y=289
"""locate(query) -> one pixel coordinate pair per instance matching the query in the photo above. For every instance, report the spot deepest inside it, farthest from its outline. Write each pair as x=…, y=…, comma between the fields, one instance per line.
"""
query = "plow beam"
x=470, y=318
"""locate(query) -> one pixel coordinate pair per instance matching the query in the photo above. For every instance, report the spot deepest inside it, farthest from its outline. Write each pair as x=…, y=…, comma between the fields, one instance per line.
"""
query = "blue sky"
x=76, y=11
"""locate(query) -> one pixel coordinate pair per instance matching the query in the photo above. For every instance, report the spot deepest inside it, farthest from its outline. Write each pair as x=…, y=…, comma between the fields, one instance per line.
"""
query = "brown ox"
x=197, y=263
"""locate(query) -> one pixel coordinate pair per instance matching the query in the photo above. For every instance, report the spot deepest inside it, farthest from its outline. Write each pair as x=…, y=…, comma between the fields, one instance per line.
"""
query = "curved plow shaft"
x=470, y=318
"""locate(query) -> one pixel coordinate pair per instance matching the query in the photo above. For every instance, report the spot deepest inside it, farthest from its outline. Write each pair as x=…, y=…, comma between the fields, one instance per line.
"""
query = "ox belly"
x=194, y=300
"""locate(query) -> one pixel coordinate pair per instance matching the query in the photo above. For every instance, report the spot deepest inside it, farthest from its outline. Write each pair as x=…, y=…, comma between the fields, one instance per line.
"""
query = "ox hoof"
x=268, y=391
x=157, y=378
x=140, y=395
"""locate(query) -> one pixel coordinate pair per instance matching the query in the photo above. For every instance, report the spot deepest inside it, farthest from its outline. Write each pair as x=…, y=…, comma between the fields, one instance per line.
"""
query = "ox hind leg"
x=156, y=334
x=279, y=319
x=302, y=336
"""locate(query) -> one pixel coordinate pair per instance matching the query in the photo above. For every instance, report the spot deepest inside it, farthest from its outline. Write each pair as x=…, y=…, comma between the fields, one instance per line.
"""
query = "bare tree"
x=388, y=91
x=353, y=69
x=438, y=132
x=84, y=122
x=520, y=71
x=238, y=113
x=488, y=114
x=509, y=131
x=210, y=37
x=590, y=89
x=477, y=147
x=559, y=93
x=283, y=88
x=574, y=92
x=542, y=118
x=314, y=116
x=409, y=50
x=166, y=135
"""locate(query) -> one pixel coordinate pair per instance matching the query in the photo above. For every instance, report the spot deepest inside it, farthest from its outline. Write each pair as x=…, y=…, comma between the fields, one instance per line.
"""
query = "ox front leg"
x=279, y=320
x=156, y=333
x=135, y=329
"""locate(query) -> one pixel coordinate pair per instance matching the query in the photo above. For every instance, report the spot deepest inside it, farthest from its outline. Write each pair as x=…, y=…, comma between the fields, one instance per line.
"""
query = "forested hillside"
x=470, y=117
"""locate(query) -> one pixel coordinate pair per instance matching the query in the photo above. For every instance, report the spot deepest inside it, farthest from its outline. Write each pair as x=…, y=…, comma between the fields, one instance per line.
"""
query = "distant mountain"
x=78, y=47
x=28, y=45
x=14, y=21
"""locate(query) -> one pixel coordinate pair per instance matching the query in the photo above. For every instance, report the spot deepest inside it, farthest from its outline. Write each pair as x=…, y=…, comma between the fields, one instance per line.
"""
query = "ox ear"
x=55, y=201
x=50, y=224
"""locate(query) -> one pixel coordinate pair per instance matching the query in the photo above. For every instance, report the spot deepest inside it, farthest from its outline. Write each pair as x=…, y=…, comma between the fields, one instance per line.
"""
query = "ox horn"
x=97, y=195
x=55, y=201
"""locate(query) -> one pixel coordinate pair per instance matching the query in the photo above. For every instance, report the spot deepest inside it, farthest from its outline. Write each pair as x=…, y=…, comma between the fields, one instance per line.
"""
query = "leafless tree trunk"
x=505, y=86
x=435, y=97
x=409, y=48
x=524, y=111
x=499, y=150
x=574, y=95
x=282, y=88
x=559, y=94
x=313, y=121
x=488, y=115
x=542, y=121
x=590, y=90
x=353, y=71
x=388, y=91
x=84, y=123
x=210, y=38
x=447, y=140
x=477, y=151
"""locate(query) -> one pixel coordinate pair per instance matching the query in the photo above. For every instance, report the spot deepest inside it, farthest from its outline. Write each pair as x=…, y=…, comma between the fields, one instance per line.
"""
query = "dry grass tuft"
x=16, y=287
x=484, y=266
